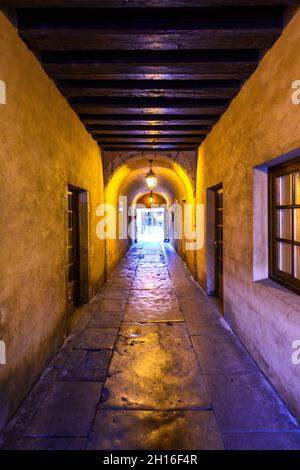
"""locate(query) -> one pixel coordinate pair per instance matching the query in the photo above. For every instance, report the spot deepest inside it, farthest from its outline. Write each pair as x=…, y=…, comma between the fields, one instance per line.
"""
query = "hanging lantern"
x=151, y=179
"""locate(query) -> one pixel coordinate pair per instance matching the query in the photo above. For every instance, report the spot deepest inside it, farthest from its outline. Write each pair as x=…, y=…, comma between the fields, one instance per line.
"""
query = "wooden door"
x=73, y=252
x=219, y=242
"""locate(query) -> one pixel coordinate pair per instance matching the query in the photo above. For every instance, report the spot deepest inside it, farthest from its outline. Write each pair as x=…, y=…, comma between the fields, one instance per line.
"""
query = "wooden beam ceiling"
x=104, y=133
x=64, y=39
x=151, y=88
x=142, y=3
x=148, y=119
x=149, y=75
x=128, y=4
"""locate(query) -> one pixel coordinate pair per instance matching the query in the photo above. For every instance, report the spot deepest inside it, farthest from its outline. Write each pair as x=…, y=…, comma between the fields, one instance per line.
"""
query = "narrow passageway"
x=151, y=364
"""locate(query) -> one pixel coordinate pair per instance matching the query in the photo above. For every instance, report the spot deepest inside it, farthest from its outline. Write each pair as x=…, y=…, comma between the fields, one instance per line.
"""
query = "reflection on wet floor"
x=151, y=364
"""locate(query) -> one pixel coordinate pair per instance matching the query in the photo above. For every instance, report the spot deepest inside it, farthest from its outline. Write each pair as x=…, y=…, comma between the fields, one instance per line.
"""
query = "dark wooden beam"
x=117, y=110
x=141, y=3
x=163, y=76
x=134, y=146
x=149, y=102
x=149, y=133
x=150, y=93
x=85, y=39
x=150, y=29
x=152, y=89
x=153, y=19
x=96, y=71
x=137, y=129
x=192, y=85
x=137, y=77
x=148, y=105
x=150, y=57
x=94, y=64
x=150, y=119
x=147, y=140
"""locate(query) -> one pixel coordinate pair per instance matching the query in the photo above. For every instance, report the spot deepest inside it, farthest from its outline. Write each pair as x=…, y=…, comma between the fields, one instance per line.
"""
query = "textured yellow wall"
x=261, y=124
x=43, y=147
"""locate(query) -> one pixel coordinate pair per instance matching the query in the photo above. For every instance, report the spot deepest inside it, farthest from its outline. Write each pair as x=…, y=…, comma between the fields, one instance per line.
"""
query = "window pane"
x=297, y=225
x=284, y=255
x=284, y=223
x=284, y=193
x=297, y=187
x=297, y=262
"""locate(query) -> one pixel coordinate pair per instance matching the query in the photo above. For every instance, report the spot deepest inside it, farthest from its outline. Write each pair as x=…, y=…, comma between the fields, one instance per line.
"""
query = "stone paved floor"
x=152, y=365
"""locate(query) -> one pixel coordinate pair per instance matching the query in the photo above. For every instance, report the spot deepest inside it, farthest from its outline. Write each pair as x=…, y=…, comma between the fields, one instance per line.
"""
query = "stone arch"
x=186, y=159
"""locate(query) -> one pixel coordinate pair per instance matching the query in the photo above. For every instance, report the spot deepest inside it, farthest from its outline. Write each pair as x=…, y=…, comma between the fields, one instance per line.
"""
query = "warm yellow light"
x=151, y=199
x=151, y=179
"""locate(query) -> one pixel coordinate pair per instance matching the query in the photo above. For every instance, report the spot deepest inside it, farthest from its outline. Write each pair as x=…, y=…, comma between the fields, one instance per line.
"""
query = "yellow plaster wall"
x=43, y=147
x=260, y=124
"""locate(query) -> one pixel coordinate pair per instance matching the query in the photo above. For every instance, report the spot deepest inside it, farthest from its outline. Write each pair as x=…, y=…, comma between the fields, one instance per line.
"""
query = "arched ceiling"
x=129, y=180
x=158, y=199
x=112, y=160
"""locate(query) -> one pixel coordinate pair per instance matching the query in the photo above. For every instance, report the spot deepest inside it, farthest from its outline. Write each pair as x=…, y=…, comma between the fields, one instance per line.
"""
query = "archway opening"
x=174, y=186
x=150, y=224
x=151, y=218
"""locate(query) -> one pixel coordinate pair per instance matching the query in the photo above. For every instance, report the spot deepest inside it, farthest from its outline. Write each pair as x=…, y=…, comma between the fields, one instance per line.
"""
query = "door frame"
x=219, y=290
x=82, y=249
x=211, y=230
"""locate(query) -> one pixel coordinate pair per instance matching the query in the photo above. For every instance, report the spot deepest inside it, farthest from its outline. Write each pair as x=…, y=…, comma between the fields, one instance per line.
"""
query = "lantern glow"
x=151, y=179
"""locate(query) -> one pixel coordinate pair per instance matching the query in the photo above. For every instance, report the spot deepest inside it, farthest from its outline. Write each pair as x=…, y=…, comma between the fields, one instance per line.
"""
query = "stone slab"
x=46, y=443
x=150, y=309
x=112, y=305
x=154, y=367
x=116, y=283
x=247, y=402
x=84, y=365
x=222, y=354
x=152, y=294
x=123, y=272
x=151, y=264
x=263, y=441
x=193, y=291
x=195, y=305
x=143, y=283
x=67, y=411
x=208, y=324
x=96, y=338
x=18, y=424
x=108, y=293
x=105, y=319
x=155, y=430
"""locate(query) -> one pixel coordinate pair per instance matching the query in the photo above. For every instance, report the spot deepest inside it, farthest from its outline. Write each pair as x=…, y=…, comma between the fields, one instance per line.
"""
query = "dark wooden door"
x=73, y=251
x=219, y=242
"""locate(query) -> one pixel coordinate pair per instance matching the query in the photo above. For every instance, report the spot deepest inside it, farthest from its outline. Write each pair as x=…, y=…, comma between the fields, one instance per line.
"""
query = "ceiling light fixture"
x=151, y=179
